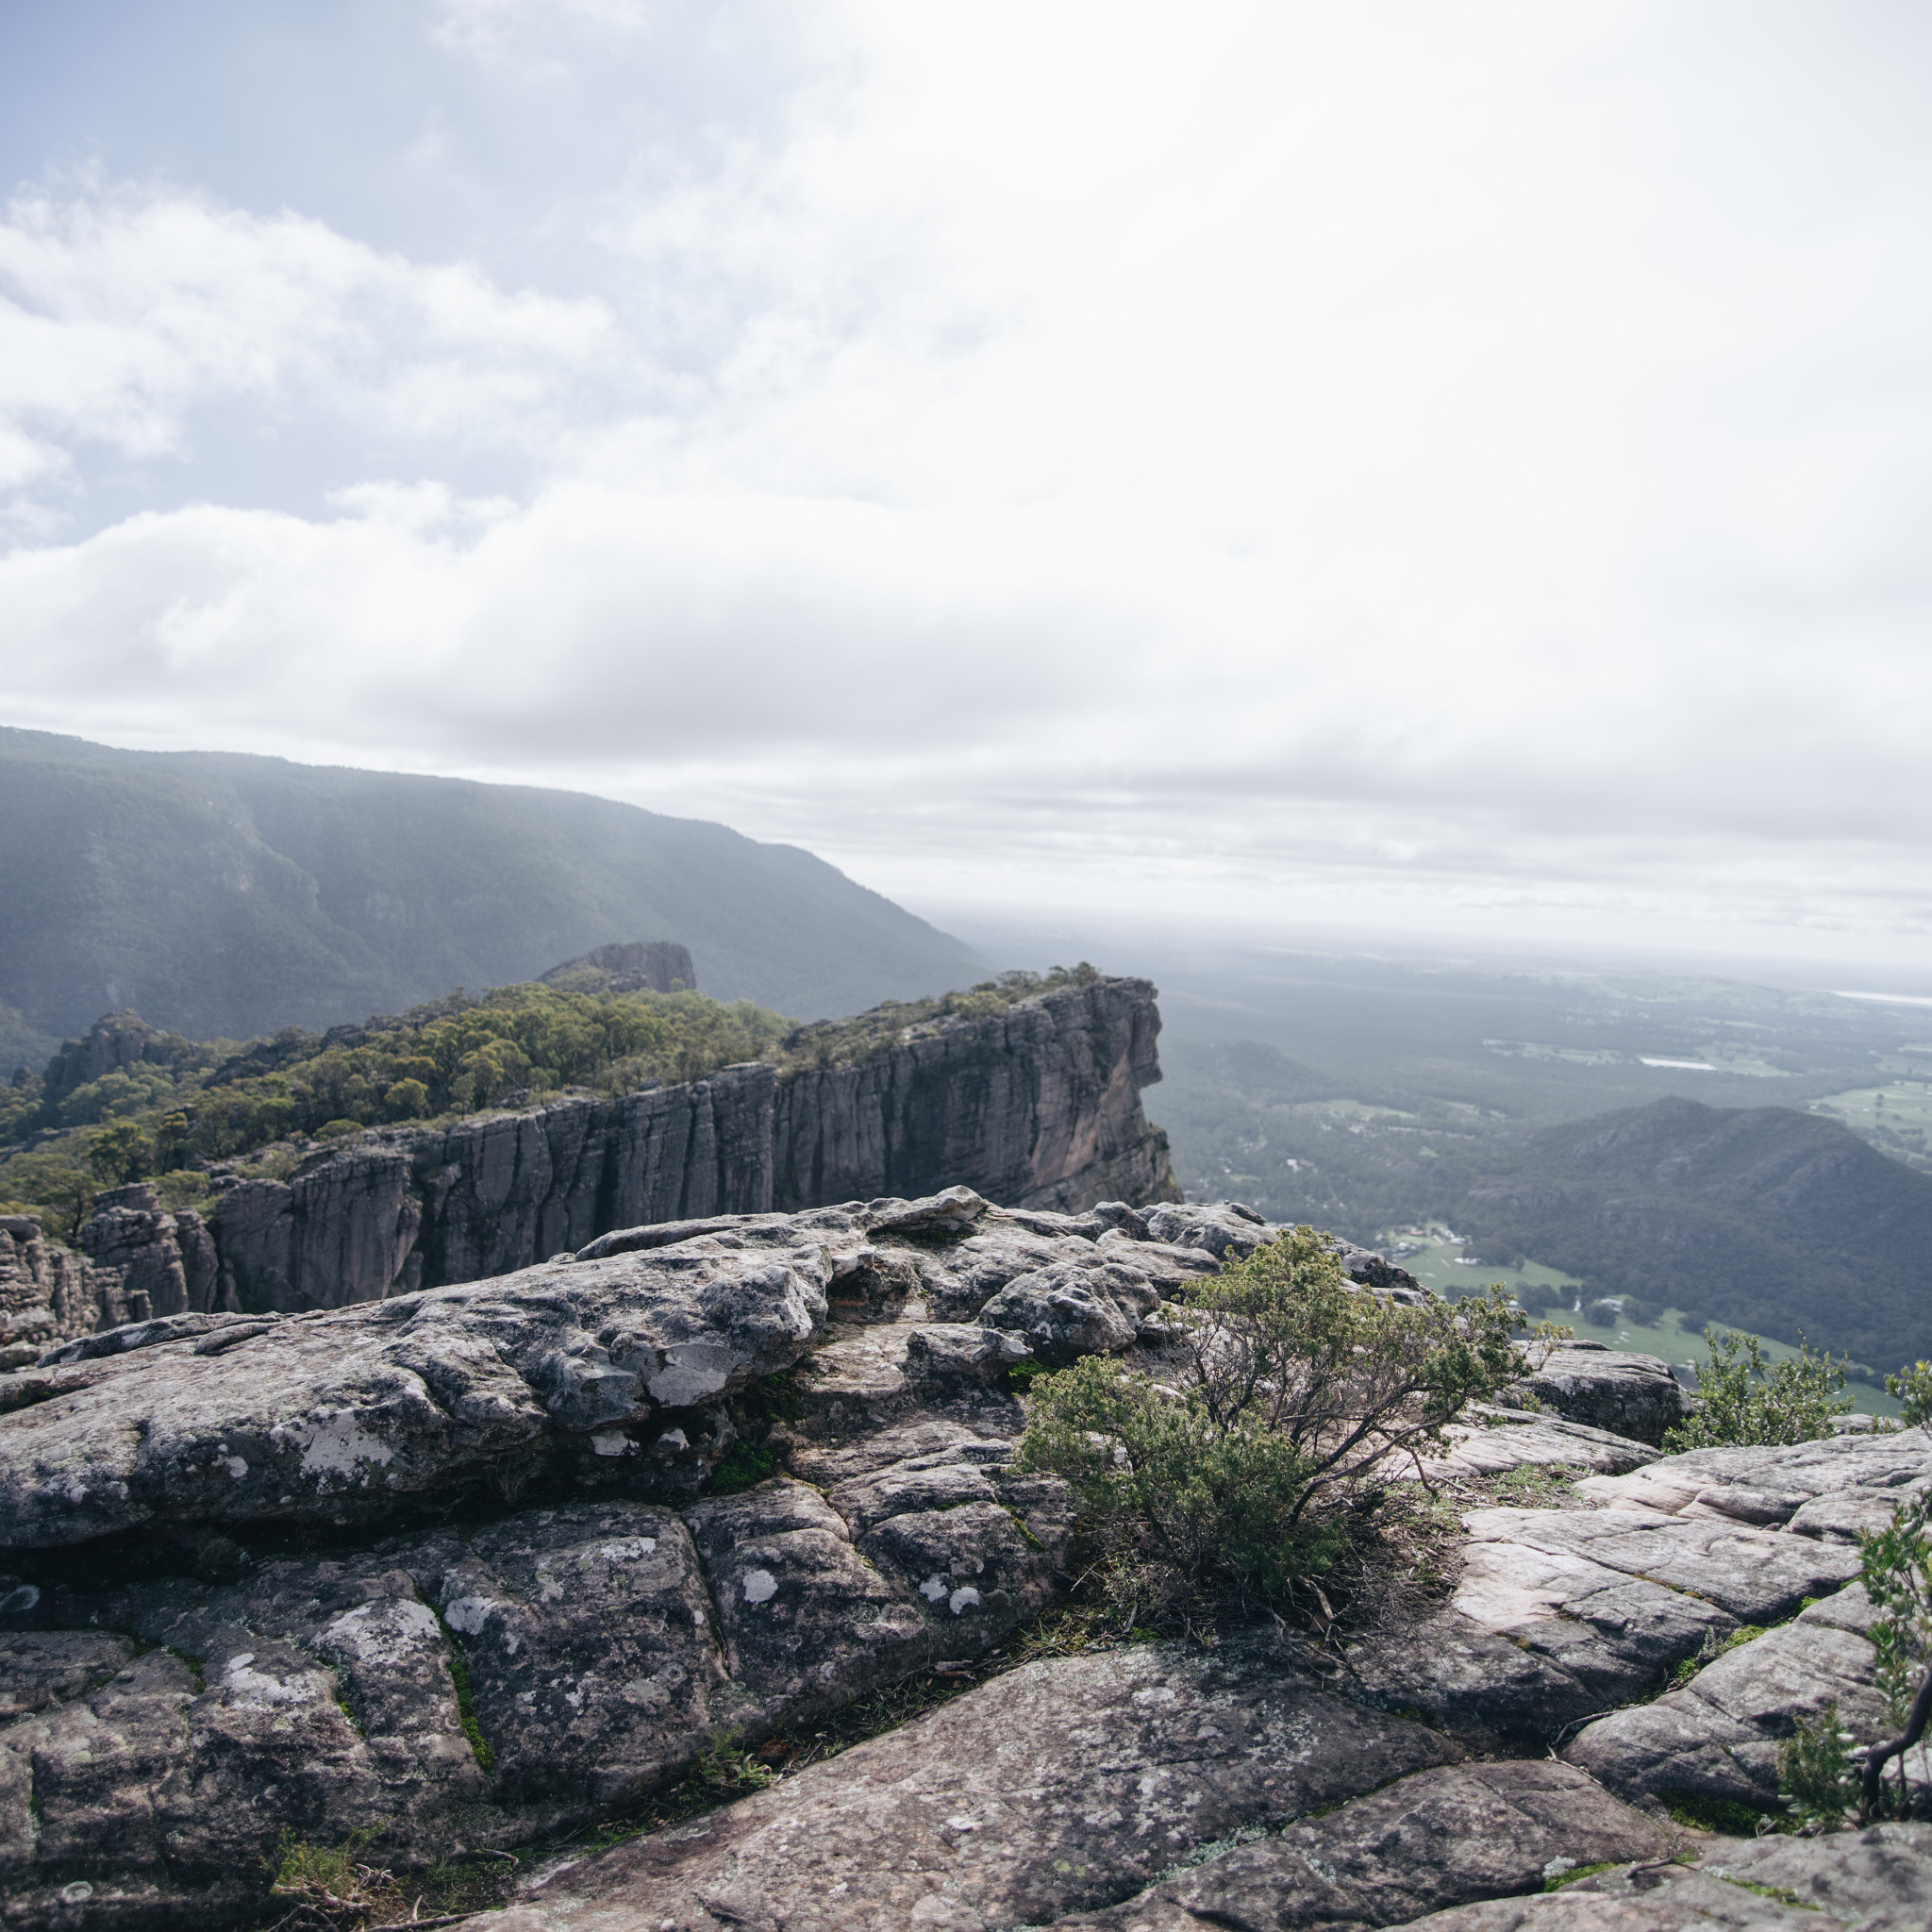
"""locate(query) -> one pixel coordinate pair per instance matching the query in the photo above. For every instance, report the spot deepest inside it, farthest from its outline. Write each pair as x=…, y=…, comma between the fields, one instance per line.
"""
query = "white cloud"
x=1467, y=456
x=123, y=312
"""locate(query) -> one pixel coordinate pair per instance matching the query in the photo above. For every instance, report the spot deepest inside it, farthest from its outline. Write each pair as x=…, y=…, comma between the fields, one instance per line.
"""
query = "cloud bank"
x=1371, y=462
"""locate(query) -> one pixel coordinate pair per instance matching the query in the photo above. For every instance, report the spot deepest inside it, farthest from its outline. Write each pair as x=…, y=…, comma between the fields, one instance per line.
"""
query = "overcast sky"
x=1447, y=465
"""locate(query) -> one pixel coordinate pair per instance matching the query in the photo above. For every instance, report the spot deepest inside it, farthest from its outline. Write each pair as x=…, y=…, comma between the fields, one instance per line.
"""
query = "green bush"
x=1224, y=1485
x=1815, y=1777
x=1745, y=1399
x=1898, y=1579
x=1913, y=1389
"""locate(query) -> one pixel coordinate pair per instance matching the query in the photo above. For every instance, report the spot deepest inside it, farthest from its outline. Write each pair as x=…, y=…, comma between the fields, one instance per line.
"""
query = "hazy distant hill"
x=225, y=894
x=1777, y=1221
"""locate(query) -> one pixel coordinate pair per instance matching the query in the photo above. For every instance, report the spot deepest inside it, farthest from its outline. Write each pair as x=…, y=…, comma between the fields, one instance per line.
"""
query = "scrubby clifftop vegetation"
x=169, y=1109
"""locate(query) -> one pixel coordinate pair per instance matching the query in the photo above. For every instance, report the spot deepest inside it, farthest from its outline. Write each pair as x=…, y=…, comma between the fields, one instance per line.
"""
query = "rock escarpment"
x=1037, y=1106
x=474, y=1567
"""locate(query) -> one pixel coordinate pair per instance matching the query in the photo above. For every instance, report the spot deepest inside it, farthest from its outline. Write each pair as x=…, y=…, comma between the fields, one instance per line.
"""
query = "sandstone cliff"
x=1038, y=1105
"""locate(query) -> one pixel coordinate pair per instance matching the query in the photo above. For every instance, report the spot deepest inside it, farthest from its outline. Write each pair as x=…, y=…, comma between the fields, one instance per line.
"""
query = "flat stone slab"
x=1878, y=1880
x=1758, y=1576
x=1771, y=1487
x=1059, y=1787
x=1718, y=1736
x=1503, y=1439
x=1440, y=1838
x=335, y=1416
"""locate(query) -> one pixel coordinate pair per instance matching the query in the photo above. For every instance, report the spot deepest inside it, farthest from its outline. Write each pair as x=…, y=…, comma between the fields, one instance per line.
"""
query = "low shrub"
x=1746, y=1399
x=1296, y=1389
x=1897, y=1575
x=1912, y=1388
x=1815, y=1777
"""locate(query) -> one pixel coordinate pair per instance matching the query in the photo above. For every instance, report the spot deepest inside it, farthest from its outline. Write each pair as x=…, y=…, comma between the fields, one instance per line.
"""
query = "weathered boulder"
x=1062, y=1786
x=1634, y=1395
x=337, y=1416
x=1440, y=1838
x=1074, y=1308
x=1717, y=1736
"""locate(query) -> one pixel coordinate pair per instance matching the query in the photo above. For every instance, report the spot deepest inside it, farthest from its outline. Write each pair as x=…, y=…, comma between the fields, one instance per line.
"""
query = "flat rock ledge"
x=735, y=1474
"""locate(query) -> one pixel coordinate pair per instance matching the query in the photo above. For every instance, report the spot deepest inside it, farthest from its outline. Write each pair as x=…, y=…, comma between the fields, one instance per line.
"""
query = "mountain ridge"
x=227, y=894
x=1766, y=1218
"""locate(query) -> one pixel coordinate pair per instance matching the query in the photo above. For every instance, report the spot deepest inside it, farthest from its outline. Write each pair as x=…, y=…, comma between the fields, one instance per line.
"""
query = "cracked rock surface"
x=481, y=1565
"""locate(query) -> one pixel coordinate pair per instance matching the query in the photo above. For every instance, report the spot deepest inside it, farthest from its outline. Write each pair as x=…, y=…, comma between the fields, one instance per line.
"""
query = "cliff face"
x=1036, y=1106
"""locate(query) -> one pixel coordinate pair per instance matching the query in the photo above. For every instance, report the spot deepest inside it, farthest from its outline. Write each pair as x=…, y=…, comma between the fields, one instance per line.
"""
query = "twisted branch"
x=1877, y=1757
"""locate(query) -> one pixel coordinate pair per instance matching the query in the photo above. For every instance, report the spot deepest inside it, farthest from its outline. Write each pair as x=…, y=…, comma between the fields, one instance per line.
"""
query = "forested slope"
x=228, y=895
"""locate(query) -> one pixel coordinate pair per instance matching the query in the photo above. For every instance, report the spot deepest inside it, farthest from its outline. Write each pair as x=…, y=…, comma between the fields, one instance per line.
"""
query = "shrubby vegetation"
x=1295, y=1390
x=1744, y=1398
x=1912, y=1389
x=1898, y=1579
x=216, y=1102
x=851, y=1042
x=167, y=1117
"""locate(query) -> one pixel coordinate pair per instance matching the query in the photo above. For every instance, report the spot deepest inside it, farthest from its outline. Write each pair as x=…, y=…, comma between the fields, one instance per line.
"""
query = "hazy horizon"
x=1390, y=471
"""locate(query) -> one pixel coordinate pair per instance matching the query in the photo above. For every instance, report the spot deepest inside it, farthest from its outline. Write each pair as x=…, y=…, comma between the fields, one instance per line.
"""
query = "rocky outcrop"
x=521, y=1481
x=1634, y=1395
x=47, y=1290
x=638, y=966
x=1038, y=1105
x=115, y=1041
x=478, y=1566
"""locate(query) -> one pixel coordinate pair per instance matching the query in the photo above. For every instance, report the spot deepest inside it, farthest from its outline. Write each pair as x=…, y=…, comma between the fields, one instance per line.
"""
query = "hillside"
x=226, y=896
x=1775, y=1220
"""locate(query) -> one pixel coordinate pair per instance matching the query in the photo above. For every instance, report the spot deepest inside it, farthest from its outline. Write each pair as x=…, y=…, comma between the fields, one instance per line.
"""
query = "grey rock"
x=1072, y=1308
x=636, y=966
x=147, y=1262
x=1058, y=1786
x=1878, y=1880
x=45, y=1291
x=1470, y=1682
x=1497, y=1441
x=1760, y=1484
x=1757, y=1576
x=1222, y=1228
x=1440, y=1838
x=587, y=1632
x=154, y=1794
x=1037, y=1108
x=1718, y=1736
x=337, y=1416
x=808, y=1624
x=1634, y=1395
